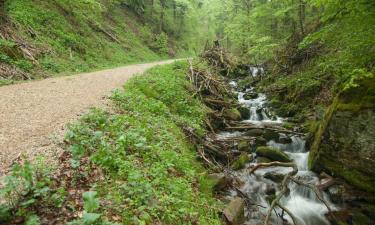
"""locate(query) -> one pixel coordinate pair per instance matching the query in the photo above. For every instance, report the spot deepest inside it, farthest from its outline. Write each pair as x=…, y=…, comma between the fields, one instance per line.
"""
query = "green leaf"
x=91, y=203
x=90, y=218
x=33, y=220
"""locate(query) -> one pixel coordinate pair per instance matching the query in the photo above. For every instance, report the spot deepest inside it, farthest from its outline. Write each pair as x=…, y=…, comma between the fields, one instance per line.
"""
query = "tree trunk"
x=3, y=15
x=161, y=24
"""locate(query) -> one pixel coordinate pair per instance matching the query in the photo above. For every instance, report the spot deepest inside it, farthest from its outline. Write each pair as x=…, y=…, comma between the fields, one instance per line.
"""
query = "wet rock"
x=234, y=213
x=218, y=123
x=235, y=152
x=269, y=114
x=219, y=180
x=241, y=161
x=270, y=198
x=232, y=114
x=263, y=160
x=284, y=139
x=250, y=95
x=274, y=176
x=254, y=132
x=245, y=112
x=335, y=193
x=271, y=135
x=270, y=190
x=356, y=216
x=325, y=183
x=260, y=141
x=344, y=140
x=244, y=146
x=272, y=153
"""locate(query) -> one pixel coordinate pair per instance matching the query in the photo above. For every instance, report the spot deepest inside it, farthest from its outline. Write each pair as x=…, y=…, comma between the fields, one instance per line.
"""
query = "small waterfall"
x=256, y=71
x=296, y=145
x=257, y=108
x=300, y=159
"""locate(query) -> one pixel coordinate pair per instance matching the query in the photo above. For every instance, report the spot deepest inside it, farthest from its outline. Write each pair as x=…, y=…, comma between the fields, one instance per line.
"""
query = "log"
x=249, y=127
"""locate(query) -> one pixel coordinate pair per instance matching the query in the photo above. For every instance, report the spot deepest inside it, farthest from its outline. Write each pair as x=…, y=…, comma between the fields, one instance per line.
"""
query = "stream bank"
x=243, y=146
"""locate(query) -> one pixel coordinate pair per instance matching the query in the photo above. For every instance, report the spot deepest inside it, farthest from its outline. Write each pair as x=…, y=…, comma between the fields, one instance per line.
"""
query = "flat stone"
x=235, y=211
x=220, y=181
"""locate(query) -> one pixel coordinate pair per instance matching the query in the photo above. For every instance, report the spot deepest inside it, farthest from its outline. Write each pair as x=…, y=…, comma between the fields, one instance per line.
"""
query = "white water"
x=301, y=201
x=257, y=106
x=255, y=71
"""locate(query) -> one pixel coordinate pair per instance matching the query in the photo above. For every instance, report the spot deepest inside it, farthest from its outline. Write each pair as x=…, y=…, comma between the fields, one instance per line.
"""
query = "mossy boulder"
x=344, y=143
x=255, y=132
x=241, y=161
x=274, y=176
x=245, y=112
x=234, y=213
x=219, y=181
x=263, y=160
x=244, y=146
x=260, y=141
x=271, y=135
x=250, y=95
x=232, y=114
x=272, y=153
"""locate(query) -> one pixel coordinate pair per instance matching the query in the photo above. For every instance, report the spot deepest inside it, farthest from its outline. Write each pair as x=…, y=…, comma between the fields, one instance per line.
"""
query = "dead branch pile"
x=214, y=91
x=21, y=49
x=11, y=72
x=220, y=59
x=212, y=88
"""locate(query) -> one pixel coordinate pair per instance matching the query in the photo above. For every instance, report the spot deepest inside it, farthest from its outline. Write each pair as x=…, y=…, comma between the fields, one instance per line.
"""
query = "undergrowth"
x=133, y=165
x=65, y=37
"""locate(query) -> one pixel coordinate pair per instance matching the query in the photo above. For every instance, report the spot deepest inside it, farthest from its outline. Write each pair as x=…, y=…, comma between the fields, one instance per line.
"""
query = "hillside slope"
x=39, y=38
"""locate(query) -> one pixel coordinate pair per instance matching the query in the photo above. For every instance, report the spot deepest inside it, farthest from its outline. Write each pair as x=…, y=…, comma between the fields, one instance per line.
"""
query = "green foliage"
x=151, y=166
x=26, y=186
x=33, y=220
x=150, y=172
x=256, y=29
x=91, y=203
x=161, y=43
x=84, y=35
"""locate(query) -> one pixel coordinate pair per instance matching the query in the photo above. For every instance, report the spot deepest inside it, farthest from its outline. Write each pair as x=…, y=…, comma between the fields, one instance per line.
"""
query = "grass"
x=133, y=165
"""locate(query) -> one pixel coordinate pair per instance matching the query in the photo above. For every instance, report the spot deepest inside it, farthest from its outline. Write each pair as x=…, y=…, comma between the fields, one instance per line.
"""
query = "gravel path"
x=33, y=115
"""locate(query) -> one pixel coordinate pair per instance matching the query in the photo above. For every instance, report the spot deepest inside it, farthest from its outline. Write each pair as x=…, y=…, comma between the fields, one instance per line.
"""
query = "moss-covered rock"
x=244, y=146
x=234, y=213
x=245, y=112
x=344, y=141
x=260, y=141
x=250, y=95
x=232, y=114
x=263, y=160
x=274, y=176
x=219, y=181
x=255, y=132
x=272, y=153
x=271, y=135
x=241, y=161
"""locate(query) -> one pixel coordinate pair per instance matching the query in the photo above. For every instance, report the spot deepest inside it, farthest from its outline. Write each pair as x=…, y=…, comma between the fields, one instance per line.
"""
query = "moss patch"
x=272, y=153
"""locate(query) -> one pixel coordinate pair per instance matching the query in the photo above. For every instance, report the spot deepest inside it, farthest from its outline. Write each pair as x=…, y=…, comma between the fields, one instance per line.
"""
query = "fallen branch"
x=249, y=127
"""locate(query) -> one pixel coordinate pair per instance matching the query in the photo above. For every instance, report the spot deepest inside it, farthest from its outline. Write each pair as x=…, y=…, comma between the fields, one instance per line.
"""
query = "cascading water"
x=257, y=109
x=301, y=201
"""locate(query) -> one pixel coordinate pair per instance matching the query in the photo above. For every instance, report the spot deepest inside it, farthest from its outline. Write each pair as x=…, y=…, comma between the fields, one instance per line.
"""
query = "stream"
x=301, y=201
